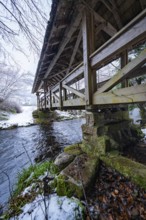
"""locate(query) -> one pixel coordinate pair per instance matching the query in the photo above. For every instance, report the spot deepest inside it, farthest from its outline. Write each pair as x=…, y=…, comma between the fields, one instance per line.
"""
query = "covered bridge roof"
x=62, y=47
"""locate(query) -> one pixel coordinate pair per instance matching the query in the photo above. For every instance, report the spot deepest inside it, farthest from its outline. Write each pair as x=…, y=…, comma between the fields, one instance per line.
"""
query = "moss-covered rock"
x=130, y=169
x=35, y=114
x=74, y=149
x=67, y=186
x=98, y=145
x=43, y=116
x=63, y=160
x=80, y=173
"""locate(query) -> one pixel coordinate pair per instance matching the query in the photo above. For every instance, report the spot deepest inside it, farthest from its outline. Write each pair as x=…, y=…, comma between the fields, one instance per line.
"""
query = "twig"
x=84, y=193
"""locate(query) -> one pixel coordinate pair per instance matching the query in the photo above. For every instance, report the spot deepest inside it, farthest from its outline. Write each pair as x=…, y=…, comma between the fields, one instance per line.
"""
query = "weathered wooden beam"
x=127, y=95
x=45, y=93
x=60, y=96
x=69, y=33
x=76, y=92
x=38, y=100
x=114, y=10
x=56, y=88
x=104, y=25
x=55, y=96
x=98, y=17
x=74, y=102
x=130, y=34
x=88, y=48
x=110, y=31
x=64, y=94
x=123, y=73
x=50, y=99
x=138, y=72
x=78, y=71
x=124, y=61
x=75, y=50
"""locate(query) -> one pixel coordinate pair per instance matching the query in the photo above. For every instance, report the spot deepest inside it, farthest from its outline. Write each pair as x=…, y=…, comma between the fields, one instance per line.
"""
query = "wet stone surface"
x=115, y=198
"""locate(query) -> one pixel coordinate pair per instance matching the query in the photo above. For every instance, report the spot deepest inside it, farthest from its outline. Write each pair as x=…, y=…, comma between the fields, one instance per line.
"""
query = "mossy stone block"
x=74, y=149
x=128, y=168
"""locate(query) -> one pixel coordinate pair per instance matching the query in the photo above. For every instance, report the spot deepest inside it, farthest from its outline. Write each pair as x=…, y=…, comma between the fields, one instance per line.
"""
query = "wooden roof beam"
x=66, y=39
x=99, y=18
x=110, y=31
x=114, y=10
x=106, y=26
x=143, y=4
x=75, y=50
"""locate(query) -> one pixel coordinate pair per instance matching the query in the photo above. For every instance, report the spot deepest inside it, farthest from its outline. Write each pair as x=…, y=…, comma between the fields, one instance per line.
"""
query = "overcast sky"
x=29, y=61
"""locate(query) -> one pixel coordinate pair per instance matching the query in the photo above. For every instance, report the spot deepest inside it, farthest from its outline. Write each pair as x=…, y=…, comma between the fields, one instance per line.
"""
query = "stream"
x=22, y=146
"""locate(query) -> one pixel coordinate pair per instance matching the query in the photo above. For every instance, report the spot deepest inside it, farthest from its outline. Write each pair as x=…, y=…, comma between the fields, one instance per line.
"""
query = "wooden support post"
x=88, y=48
x=38, y=100
x=60, y=96
x=50, y=99
x=45, y=92
x=64, y=94
x=53, y=99
x=124, y=61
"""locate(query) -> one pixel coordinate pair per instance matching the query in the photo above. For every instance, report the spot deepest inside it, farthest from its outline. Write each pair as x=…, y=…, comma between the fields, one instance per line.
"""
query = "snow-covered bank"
x=53, y=207
x=21, y=119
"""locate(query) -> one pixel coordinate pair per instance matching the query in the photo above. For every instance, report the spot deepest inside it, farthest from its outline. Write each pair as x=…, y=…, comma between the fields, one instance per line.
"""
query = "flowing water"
x=25, y=145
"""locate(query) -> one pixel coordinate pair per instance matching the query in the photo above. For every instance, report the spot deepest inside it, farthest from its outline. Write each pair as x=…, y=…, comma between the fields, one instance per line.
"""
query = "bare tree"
x=9, y=81
x=25, y=17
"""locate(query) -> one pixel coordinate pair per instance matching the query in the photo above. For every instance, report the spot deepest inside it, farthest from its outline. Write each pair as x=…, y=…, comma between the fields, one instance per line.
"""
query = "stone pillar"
x=107, y=130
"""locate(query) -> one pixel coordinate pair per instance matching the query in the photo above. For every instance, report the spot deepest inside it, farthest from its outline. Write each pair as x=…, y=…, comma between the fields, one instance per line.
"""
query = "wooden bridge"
x=93, y=55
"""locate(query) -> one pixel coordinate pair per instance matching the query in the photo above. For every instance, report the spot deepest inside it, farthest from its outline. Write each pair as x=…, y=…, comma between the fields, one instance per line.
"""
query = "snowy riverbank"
x=25, y=117
x=20, y=119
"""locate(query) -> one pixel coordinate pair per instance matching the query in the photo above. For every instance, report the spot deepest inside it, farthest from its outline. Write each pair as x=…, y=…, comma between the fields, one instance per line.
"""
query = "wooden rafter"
x=108, y=27
x=75, y=50
x=69, y=33
x=114, y=10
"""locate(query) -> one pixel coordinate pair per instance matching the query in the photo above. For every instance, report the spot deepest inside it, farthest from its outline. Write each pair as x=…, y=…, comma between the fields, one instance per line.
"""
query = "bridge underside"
x=93, y=55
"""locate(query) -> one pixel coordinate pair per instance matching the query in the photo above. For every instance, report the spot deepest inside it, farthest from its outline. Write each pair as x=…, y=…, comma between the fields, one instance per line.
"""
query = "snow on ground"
x=65, y=115
x=21, y=119
x=135, y=115
x=70, y=115
x=55, y=207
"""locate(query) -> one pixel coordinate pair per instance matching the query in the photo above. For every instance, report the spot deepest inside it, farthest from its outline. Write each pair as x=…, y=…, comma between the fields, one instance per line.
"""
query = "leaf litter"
x=114, y=197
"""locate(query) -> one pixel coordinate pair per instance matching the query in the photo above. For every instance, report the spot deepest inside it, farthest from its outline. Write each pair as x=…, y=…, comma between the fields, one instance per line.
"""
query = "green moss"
x=28, y=176
x=35, y=114
x=68, y=187
x=74, y=149
x=97, y=145
x=44, y=116
x=128, y=168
